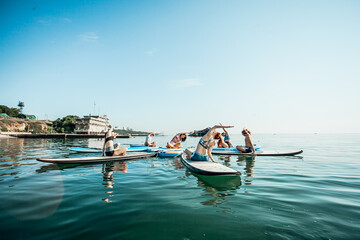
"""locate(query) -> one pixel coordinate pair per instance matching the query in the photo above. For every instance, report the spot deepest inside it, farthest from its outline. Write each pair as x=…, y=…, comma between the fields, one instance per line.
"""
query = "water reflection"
x=216, y=188
x=12, y=153
x=11, y=149
x=219, y=183
x=226, y=159
x=54, y=166
x=35, y=199
x=108, y=170
x=176, y=163
x=249, y=167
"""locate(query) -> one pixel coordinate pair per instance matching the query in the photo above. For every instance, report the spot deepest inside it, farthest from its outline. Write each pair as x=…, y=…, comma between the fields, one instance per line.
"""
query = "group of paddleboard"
x=202, y=151
x=198, y=160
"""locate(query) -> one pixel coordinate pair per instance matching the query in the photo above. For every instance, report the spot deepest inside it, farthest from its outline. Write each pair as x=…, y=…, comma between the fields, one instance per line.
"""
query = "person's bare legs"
x=229, y=144
x=178, y=145
x=241, y=148
x=188, y=153
x=120, y=152
x=168, y=145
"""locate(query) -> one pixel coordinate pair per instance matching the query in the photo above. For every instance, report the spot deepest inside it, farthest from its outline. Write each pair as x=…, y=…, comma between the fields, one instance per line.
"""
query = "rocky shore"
x=24, y=125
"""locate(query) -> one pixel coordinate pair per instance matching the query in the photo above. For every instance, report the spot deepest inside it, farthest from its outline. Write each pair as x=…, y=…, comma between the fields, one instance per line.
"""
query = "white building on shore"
x=92, y=125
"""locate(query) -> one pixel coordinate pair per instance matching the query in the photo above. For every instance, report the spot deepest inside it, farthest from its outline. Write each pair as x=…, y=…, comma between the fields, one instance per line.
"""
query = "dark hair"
x=217, y=135
x=183, y=137
x=245, y=131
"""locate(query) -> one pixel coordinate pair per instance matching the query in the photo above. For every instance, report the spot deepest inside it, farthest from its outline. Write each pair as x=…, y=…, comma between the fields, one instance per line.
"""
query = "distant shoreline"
x=57, y=135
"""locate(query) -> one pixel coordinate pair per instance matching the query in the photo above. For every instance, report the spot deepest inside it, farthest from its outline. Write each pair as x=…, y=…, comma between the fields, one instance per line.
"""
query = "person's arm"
x=224, y=130
x=251, y=145
x=211, y=130
x=211, y=146
x=221, y=126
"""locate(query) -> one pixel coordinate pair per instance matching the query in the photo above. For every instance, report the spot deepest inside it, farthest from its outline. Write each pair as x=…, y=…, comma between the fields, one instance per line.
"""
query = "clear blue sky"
x=272, y=66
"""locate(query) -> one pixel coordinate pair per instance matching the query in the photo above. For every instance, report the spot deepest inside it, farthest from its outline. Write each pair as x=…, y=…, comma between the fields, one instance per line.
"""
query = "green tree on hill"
x=66, y=124
x=11, y=112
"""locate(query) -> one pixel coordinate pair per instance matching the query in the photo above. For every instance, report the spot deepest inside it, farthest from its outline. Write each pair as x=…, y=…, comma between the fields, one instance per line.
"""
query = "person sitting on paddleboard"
x=109, y=149
x=177, y=139
x=205, y=145
x=220, y=143
x=226, y=136
x=148, y=140
x=249, y=146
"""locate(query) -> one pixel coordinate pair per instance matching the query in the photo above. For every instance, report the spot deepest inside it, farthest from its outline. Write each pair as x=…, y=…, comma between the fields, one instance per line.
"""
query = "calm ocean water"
x=314, y=196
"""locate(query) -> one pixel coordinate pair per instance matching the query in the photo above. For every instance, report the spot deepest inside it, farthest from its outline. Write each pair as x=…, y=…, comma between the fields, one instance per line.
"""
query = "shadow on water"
x=119, y=166
x=54, y=166
x=216, y=188
x=220, y=183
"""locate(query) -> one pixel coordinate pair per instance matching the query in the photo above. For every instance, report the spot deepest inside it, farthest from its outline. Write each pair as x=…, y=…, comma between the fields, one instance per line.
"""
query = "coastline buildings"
x=92, y=125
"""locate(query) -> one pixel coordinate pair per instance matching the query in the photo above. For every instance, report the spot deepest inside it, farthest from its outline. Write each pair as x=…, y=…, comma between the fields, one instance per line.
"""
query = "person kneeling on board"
x=148, y=140
x=226, y=136
x=177, y=139
x=205, y=145
x=249, y=146
x=220, y=143
x=109, y=149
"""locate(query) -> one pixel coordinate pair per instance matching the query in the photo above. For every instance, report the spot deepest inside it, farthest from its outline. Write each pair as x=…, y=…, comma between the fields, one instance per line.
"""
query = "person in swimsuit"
x=148, y=140
x=205, y=145
x=220, y=143
x=177, y=139
x=109, y=149
x=249, y=146
x=226, y=136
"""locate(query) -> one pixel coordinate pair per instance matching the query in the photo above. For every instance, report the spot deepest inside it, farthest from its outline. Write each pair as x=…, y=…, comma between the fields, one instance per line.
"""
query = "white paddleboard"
x=97, y=159
x=259, y=153
x=207, y=167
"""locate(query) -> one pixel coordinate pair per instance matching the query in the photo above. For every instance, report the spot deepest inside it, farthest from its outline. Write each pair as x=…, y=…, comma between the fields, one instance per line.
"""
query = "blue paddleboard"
x=170, y=153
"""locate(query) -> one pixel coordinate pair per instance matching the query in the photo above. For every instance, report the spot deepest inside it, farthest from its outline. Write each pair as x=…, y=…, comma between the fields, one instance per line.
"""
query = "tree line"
x=11, y=112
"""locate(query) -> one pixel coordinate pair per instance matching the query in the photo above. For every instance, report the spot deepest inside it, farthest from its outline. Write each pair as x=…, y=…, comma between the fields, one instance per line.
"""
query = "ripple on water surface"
x=312, y=196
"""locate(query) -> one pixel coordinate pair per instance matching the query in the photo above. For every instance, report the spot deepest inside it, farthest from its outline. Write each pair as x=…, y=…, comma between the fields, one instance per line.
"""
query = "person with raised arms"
x=109, y=149
x=249, y=146
x=226, y=136
x=205, y=145
x=177, y=139
x=148, y=140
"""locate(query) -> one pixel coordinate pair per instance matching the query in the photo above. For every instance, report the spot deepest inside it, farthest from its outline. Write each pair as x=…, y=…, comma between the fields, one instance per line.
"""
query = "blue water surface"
x=315, y=195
